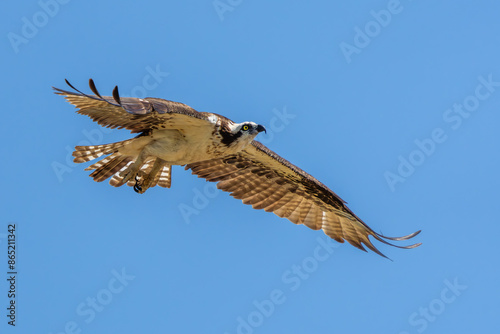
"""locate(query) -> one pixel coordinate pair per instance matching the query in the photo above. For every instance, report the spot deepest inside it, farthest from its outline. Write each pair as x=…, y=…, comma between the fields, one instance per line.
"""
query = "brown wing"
x=263, y=179
x=134, y=114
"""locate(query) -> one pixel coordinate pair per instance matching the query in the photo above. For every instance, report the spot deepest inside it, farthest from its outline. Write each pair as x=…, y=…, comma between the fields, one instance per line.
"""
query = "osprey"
x=218, y=150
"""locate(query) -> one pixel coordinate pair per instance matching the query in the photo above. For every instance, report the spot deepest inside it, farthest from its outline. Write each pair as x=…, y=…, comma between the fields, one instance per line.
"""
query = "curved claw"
x=137, y=185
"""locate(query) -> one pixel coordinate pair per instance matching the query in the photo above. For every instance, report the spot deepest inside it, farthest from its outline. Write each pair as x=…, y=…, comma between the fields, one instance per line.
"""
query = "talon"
x=137, y=185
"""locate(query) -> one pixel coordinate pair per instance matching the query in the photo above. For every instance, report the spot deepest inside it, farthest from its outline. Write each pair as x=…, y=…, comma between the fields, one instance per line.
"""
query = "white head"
x=239, y=135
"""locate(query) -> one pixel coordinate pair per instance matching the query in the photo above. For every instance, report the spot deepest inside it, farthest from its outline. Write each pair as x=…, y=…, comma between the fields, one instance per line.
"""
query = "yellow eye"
x=245, y=127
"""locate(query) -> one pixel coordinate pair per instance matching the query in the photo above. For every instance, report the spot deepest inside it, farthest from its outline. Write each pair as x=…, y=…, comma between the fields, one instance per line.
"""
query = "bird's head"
x=239, y=135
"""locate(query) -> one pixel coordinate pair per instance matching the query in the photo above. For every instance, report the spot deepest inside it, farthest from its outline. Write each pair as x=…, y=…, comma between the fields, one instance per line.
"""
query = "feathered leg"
x=137, y=170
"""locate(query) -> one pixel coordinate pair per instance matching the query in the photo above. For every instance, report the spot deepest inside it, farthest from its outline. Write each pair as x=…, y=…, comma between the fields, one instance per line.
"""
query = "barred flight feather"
x=252, y=173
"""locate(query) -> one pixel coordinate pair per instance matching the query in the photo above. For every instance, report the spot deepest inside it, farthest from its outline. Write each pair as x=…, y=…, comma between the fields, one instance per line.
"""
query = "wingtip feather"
x=93, y=88
x=116, y=95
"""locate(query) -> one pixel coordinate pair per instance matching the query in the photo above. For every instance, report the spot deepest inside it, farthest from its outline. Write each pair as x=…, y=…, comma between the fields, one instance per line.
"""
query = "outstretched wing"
x=263, y=179
x=135, y=114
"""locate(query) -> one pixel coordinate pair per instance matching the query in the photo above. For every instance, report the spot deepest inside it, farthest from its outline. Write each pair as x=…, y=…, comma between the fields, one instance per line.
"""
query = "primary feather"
x=218, y=150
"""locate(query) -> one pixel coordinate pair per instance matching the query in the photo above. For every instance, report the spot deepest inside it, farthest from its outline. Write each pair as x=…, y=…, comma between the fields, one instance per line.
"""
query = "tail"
x=138, y=173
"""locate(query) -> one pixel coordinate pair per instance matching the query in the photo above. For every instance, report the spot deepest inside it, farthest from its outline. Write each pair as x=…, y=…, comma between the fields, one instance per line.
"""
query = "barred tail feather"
x=117, y=166
x=117, y=178
x=157, y=170
x=87, y=153
x=113, y=166
x=165, y=176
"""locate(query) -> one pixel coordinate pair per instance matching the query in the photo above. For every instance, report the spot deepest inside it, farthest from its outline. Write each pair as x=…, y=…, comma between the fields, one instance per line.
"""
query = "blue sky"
x=393, y=105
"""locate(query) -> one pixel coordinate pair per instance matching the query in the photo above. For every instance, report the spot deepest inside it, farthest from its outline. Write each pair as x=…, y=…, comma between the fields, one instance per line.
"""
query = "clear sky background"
x=393, y=105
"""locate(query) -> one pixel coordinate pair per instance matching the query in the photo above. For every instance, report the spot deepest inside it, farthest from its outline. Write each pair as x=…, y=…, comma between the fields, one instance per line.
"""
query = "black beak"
x=260, y=128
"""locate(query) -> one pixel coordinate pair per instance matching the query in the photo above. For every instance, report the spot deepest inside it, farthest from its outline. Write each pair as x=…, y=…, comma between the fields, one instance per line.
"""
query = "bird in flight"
x=217, y=149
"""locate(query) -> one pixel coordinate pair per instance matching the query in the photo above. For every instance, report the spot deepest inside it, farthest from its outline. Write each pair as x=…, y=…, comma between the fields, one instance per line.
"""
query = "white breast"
x=179, y=148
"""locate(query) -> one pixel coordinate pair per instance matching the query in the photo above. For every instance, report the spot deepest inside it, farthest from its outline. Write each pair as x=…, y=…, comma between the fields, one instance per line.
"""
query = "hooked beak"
x=260, y=128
